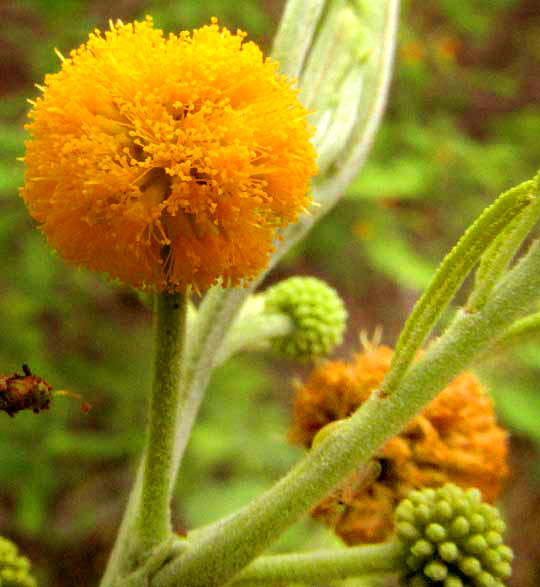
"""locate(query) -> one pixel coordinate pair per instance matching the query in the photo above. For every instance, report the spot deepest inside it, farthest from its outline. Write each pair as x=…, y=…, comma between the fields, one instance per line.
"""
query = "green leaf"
x=452, y=272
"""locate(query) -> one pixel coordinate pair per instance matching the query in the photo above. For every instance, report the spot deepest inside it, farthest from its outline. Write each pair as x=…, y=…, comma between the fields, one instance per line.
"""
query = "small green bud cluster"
x=14, y=569
x=317, y=312
x=452, y=539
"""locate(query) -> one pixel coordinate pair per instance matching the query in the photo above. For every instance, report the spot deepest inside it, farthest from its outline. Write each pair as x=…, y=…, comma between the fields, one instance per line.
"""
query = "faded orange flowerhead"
x=168, y=161
x=455, y=439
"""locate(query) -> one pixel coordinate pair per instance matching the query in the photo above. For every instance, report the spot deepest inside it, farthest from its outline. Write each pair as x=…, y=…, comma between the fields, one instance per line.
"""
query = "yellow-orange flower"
x=455, y=439
x=167, y=161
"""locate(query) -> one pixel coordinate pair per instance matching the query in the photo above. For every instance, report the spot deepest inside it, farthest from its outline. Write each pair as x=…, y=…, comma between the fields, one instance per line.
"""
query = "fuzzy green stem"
x=520, y=329
x=224, y=550
x=451, y=274
x=215, y=316
x=253, y=333
x=323, y=565
x=133, y=536
x=154, y=514
x=501, y=252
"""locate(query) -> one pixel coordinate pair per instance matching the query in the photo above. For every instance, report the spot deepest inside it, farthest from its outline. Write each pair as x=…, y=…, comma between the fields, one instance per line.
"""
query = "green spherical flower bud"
x=459, y=527
x=451, y=539
x=14, y=569
x=470, y=566
x=418, y=581
x=409, y=530
x=478, y=523
x=317, y=313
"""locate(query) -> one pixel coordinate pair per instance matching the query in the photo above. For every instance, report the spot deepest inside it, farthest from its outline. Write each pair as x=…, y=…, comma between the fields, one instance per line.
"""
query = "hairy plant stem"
x=520, y=330
x=147, y=519
x=225, y=549
x=254, y=333
x=154, y=514
x=497, y=258
x=321, y=565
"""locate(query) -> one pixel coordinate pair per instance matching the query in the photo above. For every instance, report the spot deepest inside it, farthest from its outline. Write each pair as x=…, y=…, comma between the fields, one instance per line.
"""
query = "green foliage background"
x=462, y=125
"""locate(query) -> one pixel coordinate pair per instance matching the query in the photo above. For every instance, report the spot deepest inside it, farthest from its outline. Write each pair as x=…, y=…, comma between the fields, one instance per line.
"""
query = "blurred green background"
x=463, y=124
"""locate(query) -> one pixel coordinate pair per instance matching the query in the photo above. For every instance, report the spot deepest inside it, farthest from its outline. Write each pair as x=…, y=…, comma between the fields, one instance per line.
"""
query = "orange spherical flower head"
x=168, y=161
x=334, y=390
x=455, y=439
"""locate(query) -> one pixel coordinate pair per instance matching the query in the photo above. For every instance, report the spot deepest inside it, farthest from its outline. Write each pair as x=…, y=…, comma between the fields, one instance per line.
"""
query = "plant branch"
x=521, y=329
x=323, y=565
x=254, y=333
x=224, y=550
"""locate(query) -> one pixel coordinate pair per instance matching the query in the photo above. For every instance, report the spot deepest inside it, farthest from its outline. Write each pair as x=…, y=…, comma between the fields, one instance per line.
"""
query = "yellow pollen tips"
x=59, y=55
x=167, y=161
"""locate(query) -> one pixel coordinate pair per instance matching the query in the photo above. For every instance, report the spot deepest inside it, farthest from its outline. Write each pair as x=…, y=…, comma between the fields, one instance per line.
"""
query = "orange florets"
x=455, y=439
x=168, y=161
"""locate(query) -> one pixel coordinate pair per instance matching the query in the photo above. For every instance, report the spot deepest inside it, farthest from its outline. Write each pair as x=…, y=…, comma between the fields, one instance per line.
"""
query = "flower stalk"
x=154, y=514
x=254, y=329
x=321, y=565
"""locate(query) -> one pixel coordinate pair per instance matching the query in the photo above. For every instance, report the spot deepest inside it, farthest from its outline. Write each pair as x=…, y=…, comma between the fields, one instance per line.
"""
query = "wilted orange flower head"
x=455, y=439
x=167, y=161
